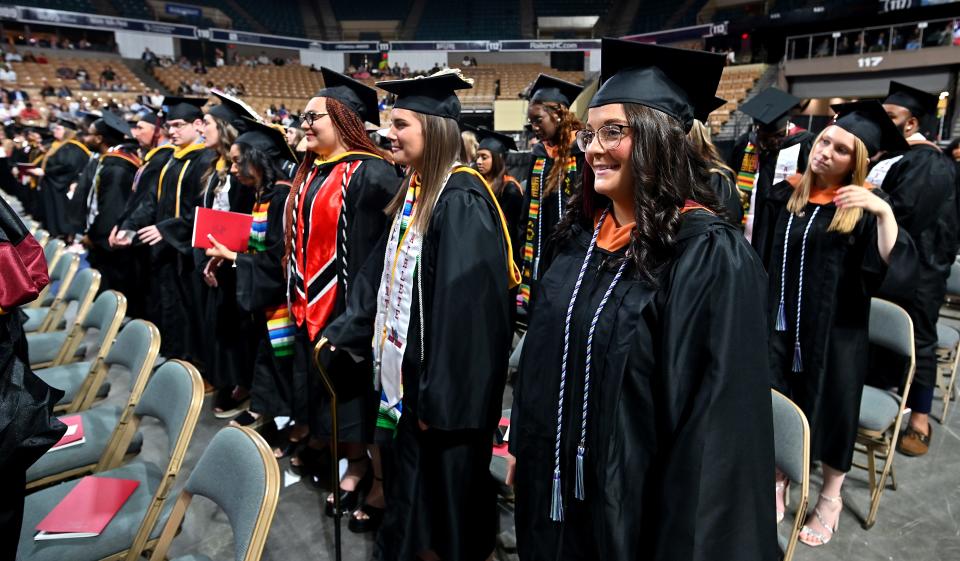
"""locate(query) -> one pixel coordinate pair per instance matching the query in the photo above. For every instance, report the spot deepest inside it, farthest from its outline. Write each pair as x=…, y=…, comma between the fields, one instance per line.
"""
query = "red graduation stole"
x=315, y=264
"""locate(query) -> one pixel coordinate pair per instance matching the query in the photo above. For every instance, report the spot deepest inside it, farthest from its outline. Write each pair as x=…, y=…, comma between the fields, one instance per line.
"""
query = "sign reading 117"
x=869, y=61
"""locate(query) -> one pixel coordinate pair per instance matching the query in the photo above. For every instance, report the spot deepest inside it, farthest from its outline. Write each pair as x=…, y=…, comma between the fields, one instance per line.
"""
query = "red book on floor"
x=87, y=508
x=74, y=434
x=232, y=229
x=502, y=449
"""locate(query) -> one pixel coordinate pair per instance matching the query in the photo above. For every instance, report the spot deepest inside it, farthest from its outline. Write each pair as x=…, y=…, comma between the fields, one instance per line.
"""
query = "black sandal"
x=246, y=419
x=373, y=520
x=228, y=404
x=313, y=461
x=349, y=500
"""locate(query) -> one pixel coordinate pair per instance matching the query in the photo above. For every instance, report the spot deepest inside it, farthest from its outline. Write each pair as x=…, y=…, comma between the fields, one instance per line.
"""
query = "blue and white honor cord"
x=556, y=502
x=781, y=325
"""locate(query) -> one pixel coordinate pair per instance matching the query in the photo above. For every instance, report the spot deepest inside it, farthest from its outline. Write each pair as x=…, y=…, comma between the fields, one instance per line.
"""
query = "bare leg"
x=920, y=422
x=819, y=529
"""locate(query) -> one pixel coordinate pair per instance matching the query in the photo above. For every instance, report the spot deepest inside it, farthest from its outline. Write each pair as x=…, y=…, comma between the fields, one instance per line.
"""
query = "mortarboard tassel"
x=556, y=501
x=781, y=312
x=797, y=361
x=579, y=492
x=781, y=318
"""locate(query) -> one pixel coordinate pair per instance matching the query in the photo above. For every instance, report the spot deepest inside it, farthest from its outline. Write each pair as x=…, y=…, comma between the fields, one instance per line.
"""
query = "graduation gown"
x=260, y=285
x=922, y=186
x=371, y=188
x=77, y=205
x=62, y=166
x=843, y=271
x=111, y=189
x=29, y=195
x=538, y=232
x=230, y=334
x=441, y=496
x=724, y=185
x=511, y=203
x=680, y=456
x=175, y=283
x=767, y=164
x=141, y=208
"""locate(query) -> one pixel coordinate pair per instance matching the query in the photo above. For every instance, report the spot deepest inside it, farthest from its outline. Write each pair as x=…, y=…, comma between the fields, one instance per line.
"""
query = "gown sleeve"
x=465, y=361
x=718, y=469
x=260, y=277
x=115, y=180
x=897, y=277
x=352, y=330
x=725, y=188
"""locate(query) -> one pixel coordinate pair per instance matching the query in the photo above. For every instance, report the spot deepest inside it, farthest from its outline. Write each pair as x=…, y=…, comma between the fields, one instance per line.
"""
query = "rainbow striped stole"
x=281, y=329
x=533, y=220
x=258, y=230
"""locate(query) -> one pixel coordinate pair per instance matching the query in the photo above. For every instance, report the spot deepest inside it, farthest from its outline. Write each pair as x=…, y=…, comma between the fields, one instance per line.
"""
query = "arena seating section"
x=279, y=17
x=82, y=6
x=571, y=7
x=736, y=82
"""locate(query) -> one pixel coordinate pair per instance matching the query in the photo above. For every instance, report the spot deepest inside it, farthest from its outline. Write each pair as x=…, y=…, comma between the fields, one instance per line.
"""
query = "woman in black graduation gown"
x=826, y=223
x=61, y=167
x=552, y=179
x=229, y=333
x=437, y=301
x=641, y=425
x=491, y=165
x=722, y=180
x=335, y=217
x=258, y=159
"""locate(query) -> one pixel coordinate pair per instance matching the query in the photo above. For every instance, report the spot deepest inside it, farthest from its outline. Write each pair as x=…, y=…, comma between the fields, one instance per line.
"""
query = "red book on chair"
x=232, y=229
x=74, y=434
x=87, y=508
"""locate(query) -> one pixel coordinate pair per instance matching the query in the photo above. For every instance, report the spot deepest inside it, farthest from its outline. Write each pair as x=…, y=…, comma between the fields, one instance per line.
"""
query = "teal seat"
x=50, y=347
x=44, y=347
x=878, y=408
x=81, y=382
x=98, y=426
x=791, y=440
x=238, y=472
x=173, y=396
x=112, y=431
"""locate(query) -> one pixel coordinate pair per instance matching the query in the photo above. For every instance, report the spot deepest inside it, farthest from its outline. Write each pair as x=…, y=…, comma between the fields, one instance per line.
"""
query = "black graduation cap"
x=116, y=123
x=494, y=141
x=184, y=108
x=769, y=106
x=149, y=114
x=431, y=95
x=919, y=102
x=359, y=97
x=547, y=89
x=266, y=138
x=68, y=123
x=233, y=110
x=717, y=103
x=679, y=82
x=869, y=122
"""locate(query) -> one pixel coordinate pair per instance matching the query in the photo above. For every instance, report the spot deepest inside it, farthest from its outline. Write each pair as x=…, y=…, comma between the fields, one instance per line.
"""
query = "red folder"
x=232, y=229
x=87, y=508
x=74, y=434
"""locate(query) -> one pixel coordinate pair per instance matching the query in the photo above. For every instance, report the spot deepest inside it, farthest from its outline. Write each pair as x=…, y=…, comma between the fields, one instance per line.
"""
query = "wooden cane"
x=335, y=438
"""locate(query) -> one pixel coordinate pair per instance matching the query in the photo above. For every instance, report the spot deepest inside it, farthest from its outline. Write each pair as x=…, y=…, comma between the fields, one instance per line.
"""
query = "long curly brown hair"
x=567, y=127
x=352, y=135
x=667, y=171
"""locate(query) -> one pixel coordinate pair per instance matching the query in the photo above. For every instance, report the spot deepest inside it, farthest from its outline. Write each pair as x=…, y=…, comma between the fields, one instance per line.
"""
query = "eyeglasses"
x=311, y=117
x=171, y=125
x=609, y=137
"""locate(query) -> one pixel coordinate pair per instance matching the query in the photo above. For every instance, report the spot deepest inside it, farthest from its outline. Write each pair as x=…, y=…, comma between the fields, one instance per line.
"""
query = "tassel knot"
x=579, y=492
x=556, y=500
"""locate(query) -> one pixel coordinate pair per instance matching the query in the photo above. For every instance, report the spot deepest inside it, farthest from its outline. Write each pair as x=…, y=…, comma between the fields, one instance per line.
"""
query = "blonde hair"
x=470, y=146
x=442, y=146
x=699, y=136
x=845, y=218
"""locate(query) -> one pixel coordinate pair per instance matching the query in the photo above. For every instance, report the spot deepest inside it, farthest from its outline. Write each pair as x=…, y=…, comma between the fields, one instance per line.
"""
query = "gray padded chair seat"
x=947, y=337
x=68, y=378
x=878, y=408
x=193, y=557
x=117, y=536
x=43, y=347
x=35, y=317
x=98, y=425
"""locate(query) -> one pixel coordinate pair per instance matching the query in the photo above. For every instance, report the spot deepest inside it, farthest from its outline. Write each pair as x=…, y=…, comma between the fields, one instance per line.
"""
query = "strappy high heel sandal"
x=783, y=491
x=372, y=516
x=816, y=539
x=349, y=500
